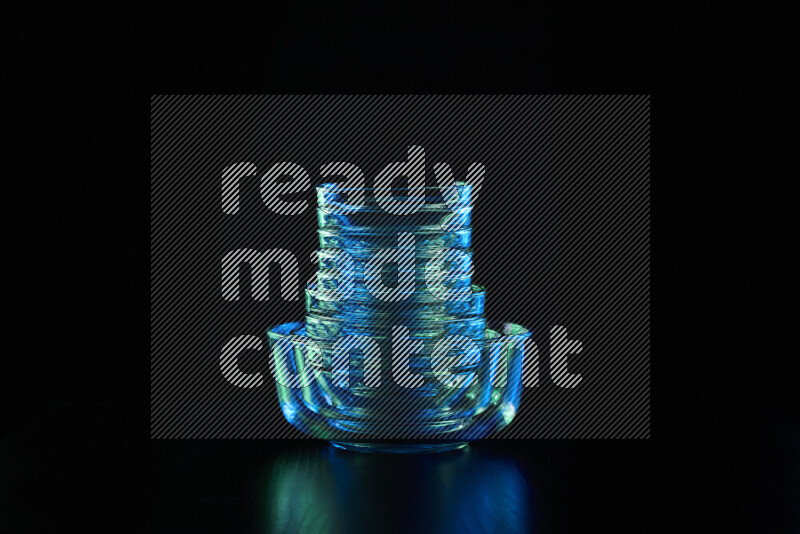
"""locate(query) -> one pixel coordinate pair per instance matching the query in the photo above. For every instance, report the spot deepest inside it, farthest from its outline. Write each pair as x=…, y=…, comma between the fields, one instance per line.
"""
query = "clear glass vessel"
x=382, y=371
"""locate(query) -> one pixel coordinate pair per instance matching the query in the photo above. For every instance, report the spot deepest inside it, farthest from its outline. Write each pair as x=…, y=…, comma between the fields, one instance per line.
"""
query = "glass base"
x=399, y=448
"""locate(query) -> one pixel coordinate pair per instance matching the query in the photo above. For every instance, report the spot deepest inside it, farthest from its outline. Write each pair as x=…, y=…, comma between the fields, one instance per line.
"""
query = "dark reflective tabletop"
x=90, y=467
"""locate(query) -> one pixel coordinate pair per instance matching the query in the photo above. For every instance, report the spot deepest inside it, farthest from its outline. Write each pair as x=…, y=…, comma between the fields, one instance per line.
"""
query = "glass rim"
x=494, y=330
x=332, y=186
x=476, y=289
x=423, y=230
x=346, y=322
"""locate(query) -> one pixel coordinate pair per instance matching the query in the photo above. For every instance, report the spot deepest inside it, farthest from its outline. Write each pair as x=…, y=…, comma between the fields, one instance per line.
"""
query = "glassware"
x=389, y=370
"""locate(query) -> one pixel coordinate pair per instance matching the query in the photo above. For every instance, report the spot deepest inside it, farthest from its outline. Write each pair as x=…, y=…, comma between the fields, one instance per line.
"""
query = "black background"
x=75, y=385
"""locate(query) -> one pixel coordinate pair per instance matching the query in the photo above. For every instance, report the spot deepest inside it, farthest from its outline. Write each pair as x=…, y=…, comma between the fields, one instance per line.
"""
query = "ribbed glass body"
x=395, y=353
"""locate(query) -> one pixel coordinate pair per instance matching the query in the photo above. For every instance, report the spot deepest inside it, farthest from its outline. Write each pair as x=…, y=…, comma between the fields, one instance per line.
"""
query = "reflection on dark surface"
x=323, y=489
x=88, y=469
